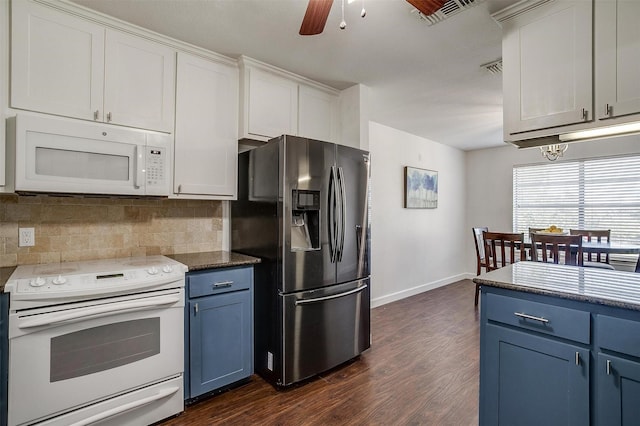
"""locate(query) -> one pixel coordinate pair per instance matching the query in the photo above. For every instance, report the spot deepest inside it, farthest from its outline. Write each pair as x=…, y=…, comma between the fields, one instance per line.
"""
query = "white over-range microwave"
x=61, y=155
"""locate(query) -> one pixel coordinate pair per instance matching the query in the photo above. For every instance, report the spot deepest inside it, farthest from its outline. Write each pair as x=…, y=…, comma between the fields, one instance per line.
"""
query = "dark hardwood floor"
x=422, y=369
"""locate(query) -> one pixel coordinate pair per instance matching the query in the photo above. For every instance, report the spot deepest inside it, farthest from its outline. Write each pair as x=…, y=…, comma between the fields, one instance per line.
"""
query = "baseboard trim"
x=388, y=298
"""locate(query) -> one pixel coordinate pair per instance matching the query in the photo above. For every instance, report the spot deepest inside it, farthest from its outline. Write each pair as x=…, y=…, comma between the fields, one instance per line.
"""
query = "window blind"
x=583, y=194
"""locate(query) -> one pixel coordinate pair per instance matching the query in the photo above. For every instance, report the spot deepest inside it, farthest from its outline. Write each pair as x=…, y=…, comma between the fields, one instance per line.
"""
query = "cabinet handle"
x=223, y=284
x=577, y=358
x=109, y=117
x=179, y=189
x=531, y=317
x=608, y=367
x=95, y=114
x=585, y=114
x=195, y=309
x=609, y=110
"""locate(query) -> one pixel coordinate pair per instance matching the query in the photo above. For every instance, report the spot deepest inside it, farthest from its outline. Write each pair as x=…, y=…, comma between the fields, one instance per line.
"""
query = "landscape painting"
x=420, y=188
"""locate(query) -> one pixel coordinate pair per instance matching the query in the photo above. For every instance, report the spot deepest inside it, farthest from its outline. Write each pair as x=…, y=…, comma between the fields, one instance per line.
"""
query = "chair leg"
x=477, y=294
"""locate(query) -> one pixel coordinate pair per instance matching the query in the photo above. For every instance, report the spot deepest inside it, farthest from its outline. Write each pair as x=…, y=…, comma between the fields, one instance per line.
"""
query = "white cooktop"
x=69, y=281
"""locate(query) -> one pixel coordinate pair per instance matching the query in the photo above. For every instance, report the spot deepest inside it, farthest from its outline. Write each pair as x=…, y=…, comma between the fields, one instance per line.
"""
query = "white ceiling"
x=425, y=80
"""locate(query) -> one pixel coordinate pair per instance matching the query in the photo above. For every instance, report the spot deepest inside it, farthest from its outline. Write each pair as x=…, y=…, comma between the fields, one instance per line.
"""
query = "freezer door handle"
x=333, y=296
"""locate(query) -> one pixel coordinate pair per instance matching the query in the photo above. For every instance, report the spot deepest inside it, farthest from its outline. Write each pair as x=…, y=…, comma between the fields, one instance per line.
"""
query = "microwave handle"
x=138, y=176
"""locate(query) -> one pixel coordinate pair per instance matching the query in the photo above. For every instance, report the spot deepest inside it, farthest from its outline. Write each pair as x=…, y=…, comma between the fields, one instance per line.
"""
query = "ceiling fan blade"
x=427, y=7
x=316, y=17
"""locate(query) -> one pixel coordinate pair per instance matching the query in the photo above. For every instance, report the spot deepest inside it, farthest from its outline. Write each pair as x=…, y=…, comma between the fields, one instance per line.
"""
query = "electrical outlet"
x=27, y=237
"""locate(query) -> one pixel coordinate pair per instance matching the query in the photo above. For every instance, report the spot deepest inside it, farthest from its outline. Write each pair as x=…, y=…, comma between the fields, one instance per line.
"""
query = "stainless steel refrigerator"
x=303, y=208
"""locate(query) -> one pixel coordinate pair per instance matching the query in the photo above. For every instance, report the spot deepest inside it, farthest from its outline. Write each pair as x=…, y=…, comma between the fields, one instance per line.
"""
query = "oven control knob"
x=167, y=268
x=152, y=271
x=59, y=280
x=37, y=282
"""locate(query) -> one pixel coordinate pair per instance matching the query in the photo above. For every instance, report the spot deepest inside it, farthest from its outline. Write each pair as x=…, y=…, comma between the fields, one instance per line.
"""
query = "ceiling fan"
x=317, y=13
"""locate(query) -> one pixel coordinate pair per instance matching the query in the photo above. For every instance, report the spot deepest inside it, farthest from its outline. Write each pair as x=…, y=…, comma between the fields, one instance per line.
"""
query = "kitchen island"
x=560, y=345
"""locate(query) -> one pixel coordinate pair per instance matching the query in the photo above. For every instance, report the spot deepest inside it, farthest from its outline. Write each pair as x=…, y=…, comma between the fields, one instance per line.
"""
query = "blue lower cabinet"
x=533, y=380
x=546, y=360
x=220, y=331
x=618, y=390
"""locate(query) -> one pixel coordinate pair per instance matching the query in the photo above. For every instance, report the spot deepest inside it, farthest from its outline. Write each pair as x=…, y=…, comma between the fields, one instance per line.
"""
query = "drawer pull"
x=577, y=358
x=531, y=317
x=223, y=284
x=608, y=367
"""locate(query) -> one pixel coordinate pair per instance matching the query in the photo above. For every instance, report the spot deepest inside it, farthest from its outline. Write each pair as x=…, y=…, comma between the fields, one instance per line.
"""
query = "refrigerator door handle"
x=365, y=222
x=333, y=296
x=331, y=215
x=341, y=216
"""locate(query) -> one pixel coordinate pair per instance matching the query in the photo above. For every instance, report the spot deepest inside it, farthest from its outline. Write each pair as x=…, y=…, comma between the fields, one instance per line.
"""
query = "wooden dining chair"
x=505, y=248
x=595, y=259
x=553, y=248
x=481, y=257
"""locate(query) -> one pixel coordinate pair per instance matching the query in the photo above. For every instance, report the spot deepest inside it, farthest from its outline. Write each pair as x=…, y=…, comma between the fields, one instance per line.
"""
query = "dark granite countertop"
x=5, y=273
x=213, y=259
x=605, y=287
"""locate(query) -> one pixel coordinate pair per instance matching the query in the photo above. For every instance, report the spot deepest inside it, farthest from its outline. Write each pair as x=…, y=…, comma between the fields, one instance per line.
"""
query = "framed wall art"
x=420, y=188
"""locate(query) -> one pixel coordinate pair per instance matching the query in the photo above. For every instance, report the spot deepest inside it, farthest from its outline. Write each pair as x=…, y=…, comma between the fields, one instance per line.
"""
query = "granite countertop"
x=213, y=259
x=5, y=273
x=594, y=285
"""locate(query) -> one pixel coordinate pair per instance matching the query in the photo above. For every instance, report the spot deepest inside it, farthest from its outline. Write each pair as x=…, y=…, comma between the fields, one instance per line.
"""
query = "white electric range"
x=96, y=341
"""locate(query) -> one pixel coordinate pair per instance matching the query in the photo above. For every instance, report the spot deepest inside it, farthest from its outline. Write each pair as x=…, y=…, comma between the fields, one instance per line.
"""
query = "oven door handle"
x=125, y=407
x=92, y=311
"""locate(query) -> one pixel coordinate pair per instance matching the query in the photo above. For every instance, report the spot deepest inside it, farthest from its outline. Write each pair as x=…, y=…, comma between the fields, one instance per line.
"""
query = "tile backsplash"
x=77, y=228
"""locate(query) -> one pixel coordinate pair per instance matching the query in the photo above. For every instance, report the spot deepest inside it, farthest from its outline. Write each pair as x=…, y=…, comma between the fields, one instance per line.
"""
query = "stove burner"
x=59, y=280
x=37, y=282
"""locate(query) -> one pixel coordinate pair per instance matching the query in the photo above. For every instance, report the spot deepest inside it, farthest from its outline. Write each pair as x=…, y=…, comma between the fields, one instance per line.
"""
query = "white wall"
x=489, y=181
x=414, y=250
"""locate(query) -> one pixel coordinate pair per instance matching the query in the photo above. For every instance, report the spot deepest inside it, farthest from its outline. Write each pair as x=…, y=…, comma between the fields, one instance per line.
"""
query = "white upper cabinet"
x=139, y=86
x=63, y=64
x=206, y=135
x=57, y=62
x=271, y=103
x=617, y=56
x=547, y=57
x=317, y=114
x=276, y=102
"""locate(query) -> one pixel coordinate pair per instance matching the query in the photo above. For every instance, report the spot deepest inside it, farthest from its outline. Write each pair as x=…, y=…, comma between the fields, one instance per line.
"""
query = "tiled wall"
x=69, y=229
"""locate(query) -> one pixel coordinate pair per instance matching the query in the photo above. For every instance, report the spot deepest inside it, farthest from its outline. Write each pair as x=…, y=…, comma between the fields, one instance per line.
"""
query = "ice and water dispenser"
x=305, y=220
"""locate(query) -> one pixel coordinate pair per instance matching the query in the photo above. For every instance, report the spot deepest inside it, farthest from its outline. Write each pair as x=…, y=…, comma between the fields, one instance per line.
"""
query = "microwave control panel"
x=156, y=169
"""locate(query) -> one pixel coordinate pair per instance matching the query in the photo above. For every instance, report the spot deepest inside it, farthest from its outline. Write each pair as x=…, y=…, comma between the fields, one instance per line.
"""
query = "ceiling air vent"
x=494, y=67
x=450, y=8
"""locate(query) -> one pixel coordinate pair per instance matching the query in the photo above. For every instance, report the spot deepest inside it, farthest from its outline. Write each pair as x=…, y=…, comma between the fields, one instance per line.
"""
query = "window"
x=585, y=194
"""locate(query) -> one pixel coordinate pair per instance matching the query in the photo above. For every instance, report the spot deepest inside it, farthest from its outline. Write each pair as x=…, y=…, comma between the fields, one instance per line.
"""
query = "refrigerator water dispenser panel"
x=305, y=220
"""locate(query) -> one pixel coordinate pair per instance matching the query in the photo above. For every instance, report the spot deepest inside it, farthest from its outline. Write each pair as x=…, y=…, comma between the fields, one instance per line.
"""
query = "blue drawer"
x=216, y=281
x=618, y=335
x=548, y=319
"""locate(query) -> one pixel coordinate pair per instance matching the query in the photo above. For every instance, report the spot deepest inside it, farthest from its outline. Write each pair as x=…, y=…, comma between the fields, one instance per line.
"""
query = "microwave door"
x=63, y=163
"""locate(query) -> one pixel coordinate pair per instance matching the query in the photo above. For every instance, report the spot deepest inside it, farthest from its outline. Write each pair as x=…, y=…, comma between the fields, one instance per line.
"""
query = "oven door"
x=79, y=354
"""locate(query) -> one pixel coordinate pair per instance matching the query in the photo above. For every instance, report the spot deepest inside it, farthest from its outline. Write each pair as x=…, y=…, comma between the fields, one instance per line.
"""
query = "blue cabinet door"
x=531, y=380
x=618, y=391
x=220, y=341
